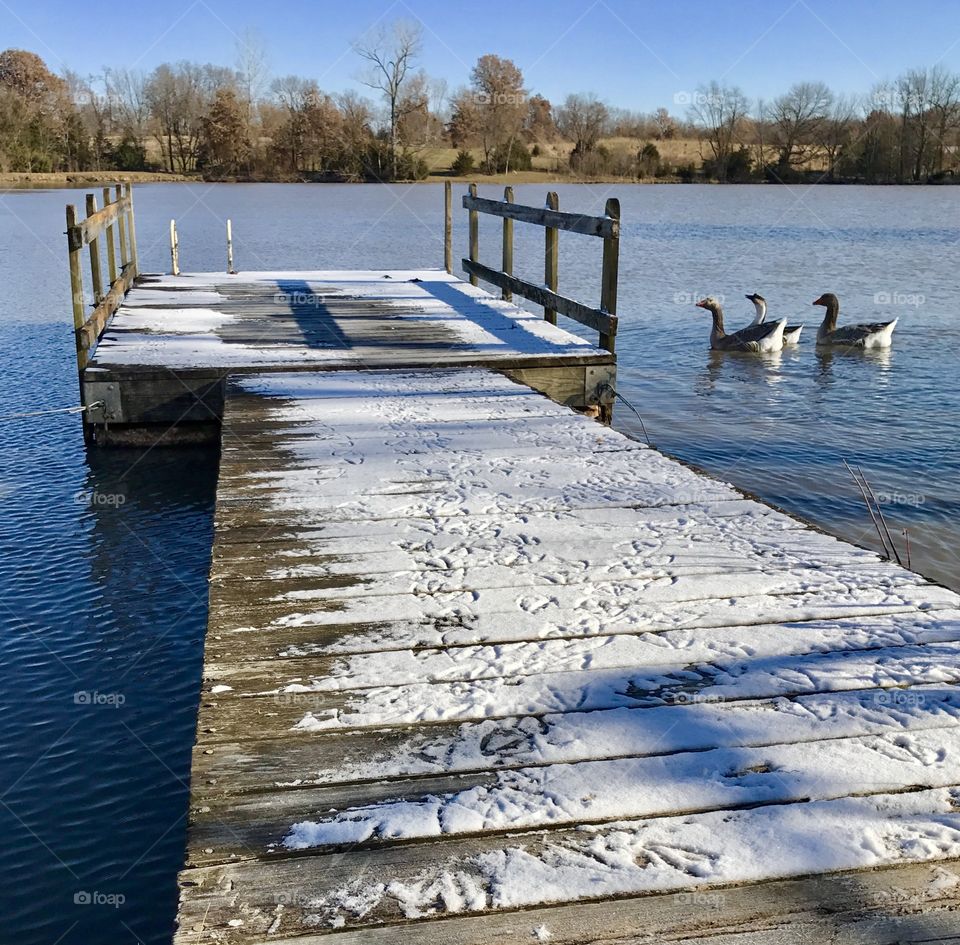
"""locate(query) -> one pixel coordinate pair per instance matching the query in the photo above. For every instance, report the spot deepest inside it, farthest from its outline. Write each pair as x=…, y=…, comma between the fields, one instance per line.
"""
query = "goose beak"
x=819, y=301
x=701, y=304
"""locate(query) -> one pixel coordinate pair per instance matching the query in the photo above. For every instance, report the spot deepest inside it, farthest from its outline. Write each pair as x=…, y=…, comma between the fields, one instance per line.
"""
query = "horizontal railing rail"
x=607, y=227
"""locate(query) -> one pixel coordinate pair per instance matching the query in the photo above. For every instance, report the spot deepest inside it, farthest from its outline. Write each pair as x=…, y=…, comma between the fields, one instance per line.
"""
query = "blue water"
x=103, y=576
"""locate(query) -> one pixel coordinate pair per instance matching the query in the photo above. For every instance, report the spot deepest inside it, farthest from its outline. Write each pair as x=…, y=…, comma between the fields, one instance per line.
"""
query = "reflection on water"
x=103, y=584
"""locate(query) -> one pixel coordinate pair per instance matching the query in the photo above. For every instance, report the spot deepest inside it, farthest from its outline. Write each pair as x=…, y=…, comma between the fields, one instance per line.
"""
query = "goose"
x=761, y=338
x=791, y=334
x=871, y=335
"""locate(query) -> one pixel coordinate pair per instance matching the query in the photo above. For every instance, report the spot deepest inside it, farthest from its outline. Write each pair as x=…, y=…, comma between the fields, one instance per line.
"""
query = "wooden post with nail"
x=448, y=227
x=96, y=273
x=551, y=256
x=474, y=218
x=108, y=233
x=122, y=230
x=611, y=268
x=507, y=261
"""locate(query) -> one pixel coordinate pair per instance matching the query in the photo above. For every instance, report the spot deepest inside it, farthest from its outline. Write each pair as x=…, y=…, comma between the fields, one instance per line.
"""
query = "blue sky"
x=632, y=54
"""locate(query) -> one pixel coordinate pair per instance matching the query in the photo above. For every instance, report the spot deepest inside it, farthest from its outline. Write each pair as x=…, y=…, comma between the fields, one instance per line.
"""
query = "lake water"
x=103, y=576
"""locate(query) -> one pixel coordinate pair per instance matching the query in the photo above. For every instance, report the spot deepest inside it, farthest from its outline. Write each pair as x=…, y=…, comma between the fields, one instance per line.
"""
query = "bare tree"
x=582, y=119
x=797, y=117
x=253, y=72
x=718, y=112
x=390, y=52
x=127, y=92
x=836, y=132
x=945, y=108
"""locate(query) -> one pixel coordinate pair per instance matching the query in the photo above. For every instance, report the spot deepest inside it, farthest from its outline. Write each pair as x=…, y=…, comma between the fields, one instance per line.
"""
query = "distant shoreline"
x=26, y=180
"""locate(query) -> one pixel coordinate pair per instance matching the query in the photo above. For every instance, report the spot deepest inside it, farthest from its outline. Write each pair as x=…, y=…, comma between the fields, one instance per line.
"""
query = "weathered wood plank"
x=584, y=224
x=97, y=221
x=591, y=317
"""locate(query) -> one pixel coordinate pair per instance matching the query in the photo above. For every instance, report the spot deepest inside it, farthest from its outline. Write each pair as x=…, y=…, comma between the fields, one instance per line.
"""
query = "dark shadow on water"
x=102, y=658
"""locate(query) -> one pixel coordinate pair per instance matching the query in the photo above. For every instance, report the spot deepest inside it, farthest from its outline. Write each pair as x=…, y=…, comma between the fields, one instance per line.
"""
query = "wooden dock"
x=479, y=668
x=472, y=658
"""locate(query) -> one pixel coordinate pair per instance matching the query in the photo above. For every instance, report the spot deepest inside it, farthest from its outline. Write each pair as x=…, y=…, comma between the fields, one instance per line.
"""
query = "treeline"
x=241, y=123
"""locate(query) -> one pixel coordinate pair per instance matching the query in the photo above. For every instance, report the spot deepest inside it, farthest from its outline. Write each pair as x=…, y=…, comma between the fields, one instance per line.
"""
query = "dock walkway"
x=479, y=668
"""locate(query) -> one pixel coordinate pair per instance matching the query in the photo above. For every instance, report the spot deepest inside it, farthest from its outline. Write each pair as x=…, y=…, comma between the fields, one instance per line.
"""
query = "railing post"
x=611, y=267
x=133, y=233
x=448, y=226
x=108, y=232
x=174, y=249
x=122, y=230
x=230, y=270
x=551, y=256
x=474, y=218
x=74, y=252
x=95, y=272
x=507, y=263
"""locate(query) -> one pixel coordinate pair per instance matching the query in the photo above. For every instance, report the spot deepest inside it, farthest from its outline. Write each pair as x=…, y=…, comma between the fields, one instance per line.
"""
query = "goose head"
x=713, y=307
x=829, y=301
x=710, y=304
x=760, y=304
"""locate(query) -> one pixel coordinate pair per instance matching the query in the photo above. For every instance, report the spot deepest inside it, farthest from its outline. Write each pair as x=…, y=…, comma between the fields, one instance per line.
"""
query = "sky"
x=635, y=54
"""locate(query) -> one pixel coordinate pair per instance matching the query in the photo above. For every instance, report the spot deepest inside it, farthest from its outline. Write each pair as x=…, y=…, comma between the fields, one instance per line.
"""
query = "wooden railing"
x=110, y=232
x=602, y=319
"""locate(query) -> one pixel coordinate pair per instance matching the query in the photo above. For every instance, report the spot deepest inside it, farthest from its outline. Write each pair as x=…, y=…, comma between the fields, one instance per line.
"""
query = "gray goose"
x=870, y=335
x=765, y=337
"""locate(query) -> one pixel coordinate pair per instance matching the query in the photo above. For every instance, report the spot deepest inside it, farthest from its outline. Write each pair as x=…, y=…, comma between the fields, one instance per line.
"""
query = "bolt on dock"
x=479, y=667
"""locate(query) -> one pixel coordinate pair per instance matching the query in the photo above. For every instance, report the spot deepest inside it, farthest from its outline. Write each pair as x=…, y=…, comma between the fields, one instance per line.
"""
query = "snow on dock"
x=479, y=668
x=160, y=365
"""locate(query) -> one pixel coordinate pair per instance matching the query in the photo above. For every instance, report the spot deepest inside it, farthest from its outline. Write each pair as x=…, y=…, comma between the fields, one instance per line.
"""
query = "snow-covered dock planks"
x=478, y=668
x=161, y=363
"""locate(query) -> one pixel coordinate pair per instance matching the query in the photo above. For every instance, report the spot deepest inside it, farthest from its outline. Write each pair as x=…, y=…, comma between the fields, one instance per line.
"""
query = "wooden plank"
x=551, y=258
x=132, y=229
x=545, y=216
x=507, y=255
x=122, y=227
x=96, y=271
x=98, y=220
x=448, y=226
x=591, y=317
x=108, y=233
x=89, y=333
x=474, y=226
x=916, y=903
x=610, y=276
